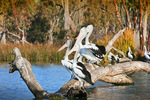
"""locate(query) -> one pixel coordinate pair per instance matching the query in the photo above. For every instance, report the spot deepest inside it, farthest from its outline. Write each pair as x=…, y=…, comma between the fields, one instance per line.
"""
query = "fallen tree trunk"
x=111, y=74
x=25, y=69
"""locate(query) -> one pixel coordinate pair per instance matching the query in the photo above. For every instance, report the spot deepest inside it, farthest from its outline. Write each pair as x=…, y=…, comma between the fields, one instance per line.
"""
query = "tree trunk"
x=117, y=12
x=50, y=40
x=145, y=17
x=136, y=32
x=140, y=27
x=25, y=69
x=127, y=15
x=66, y=16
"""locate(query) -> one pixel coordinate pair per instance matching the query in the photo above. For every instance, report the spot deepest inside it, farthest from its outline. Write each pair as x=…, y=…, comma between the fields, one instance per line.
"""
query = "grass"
x=122, y=43
x=34, y=53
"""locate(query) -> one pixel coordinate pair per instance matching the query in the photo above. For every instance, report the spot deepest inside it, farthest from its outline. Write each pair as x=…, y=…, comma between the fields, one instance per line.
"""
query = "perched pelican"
x=80, y=71
x=98, y=50
x=130, y=54
x=146, y=55
x=117, y=58
x=112, y=58
x=66, y=62
x=89, y=53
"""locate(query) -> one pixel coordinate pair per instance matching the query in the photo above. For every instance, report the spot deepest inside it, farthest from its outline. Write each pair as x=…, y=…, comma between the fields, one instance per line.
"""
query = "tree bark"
x=66, y=16
x=127, y=15
x=140, y=27
x=145, y=17
x=117, y=12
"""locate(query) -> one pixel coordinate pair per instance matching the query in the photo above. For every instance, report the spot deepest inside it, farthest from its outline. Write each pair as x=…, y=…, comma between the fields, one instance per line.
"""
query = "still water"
x=52, y=77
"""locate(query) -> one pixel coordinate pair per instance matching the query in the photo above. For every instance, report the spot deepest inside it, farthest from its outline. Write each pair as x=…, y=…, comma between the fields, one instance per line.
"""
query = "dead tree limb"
x=111, y=42
x=25, y=69
x=18, y=37
x=111, y=74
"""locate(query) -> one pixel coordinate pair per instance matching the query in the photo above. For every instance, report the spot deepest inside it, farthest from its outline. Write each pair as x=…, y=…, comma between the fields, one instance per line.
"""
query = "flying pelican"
x=66, y=62
x=146, y=55
x=80, y=71
x=130, y=54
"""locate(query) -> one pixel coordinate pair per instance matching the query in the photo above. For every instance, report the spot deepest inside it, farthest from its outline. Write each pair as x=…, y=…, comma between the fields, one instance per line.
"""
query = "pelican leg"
x=83, y=84
x=72, y=76
x=80, y=83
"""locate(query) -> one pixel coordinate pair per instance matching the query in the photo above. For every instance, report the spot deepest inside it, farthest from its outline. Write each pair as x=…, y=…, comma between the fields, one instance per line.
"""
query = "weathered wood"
x=110, y=43
x=111, y=74
x=18, y=37
x=25, y=69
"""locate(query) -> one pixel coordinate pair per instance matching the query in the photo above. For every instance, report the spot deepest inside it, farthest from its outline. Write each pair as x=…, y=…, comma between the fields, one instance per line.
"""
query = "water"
x=52, y=77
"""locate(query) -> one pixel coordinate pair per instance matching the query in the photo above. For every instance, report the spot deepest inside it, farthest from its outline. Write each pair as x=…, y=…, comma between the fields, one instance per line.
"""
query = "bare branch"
x=110, y=43
x=122, y=53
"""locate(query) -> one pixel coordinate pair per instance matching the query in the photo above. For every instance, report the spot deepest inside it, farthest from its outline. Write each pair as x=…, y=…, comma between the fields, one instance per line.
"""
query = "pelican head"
x=129, y=49
x=81, y=36
x=67, y=44
x=89, y=28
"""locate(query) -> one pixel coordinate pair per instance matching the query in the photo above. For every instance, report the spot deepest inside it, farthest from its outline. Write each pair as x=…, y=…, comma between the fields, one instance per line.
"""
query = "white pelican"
x=113, y=58
x=98, y=50
x=146, y=55
x=110, y=56
x=66, y=62
x=130, y=54
x=80, y=71
x=89, y=53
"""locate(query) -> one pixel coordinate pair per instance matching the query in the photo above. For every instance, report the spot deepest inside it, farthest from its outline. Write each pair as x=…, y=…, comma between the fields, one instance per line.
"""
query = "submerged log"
x=25, y=69
x=111, y=74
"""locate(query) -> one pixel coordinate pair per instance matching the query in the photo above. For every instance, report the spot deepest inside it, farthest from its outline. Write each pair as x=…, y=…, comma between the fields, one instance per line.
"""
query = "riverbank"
x=34, y=53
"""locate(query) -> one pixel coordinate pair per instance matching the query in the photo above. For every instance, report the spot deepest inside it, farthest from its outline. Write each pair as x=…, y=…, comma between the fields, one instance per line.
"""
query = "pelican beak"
x=64, y=46
x=73, y=49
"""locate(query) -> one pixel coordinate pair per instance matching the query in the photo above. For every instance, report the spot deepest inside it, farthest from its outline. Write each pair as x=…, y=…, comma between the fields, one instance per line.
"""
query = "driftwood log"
x=25, y=69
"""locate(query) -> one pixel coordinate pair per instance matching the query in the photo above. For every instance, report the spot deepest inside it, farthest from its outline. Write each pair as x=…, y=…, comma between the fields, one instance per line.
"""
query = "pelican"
x=110, y=56
x=89, y=53
x=113, y=58
x=98, y=50
x=146, y=55
x=130, y=54
x=80, y=71
x=66, y=62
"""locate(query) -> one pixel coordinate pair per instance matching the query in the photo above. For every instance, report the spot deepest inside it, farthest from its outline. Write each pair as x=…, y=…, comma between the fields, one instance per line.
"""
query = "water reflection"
x=139, y=91
x=52, y=77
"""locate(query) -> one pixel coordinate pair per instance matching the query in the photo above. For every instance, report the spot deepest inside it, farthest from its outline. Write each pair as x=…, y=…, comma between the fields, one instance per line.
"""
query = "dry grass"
x=122, y=43
x=32, y=52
